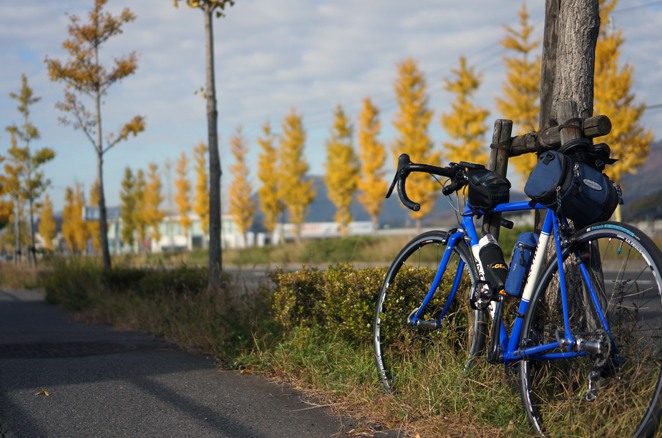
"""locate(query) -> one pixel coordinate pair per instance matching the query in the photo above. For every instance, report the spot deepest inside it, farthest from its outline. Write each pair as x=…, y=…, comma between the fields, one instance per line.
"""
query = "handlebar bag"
x=521, y=262
x=574, y=189
x=487, y=189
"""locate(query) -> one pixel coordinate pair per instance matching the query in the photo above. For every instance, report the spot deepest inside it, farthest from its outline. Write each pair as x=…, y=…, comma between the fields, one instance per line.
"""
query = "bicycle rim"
x=615, y=392
x=398, y=346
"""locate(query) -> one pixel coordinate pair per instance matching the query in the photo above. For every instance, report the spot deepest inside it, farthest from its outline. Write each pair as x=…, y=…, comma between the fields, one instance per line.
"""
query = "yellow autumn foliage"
x=629, y=140
x=139, y=196
x=241, y=208
x=183, y=193
x=152, y=214
x=411, y=122
x=201, y=205
x=47, y=225
x=94, y=226
x=267, y=172
x=81, y=229
x=372, y=155
x=297, y=190
x=521, y=89
x=465, y=124
x=72, y=220
x=342, y=168
x=128, y=206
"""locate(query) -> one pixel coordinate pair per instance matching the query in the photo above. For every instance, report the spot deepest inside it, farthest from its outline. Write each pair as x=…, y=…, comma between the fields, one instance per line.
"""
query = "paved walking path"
x=108, y=383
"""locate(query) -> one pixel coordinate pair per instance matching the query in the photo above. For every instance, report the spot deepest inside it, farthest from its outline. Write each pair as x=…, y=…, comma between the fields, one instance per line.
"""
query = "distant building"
x=322, y=230
x=174, y=237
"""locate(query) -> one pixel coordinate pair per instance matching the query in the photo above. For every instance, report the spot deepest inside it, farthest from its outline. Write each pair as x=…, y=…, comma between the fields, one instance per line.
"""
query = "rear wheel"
x=614, y=391
x=397, y=344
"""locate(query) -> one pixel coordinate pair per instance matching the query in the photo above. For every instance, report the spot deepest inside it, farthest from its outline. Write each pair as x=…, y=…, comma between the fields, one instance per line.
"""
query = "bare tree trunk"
x=548, y=64
x=32, y=251
x=568, y=61
x=17, y=220
x=578, y=29
x=103, y=224
x=215, y=255
x=566, y=92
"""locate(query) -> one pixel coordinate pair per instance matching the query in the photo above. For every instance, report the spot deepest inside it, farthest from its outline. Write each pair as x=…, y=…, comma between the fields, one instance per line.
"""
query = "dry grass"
x=20, y=277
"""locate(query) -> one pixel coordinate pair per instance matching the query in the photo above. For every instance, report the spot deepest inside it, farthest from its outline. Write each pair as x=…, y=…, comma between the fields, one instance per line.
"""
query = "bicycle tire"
x=623, y=397
x=406, y=283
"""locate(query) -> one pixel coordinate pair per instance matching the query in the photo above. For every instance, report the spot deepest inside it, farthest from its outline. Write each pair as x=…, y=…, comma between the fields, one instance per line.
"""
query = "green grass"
x=434, y=400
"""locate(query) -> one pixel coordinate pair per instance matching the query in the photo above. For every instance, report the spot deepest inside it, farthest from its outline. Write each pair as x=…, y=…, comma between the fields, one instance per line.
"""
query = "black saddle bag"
x=487, y=189
x=572, y=188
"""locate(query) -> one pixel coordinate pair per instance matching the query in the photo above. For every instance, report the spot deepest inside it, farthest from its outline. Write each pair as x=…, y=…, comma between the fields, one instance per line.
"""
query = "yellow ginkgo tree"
x=128, y=206
x=33, y=183
x=47, y=225
x=520, y=100
x=81, y=228
x=372, y=156
x=153, y=198
x=465, y=123
x=93, y=226
x=271, y=203
x=69, y=218
x=241, y=208
x=297, y=189
x=411, y=123
x=85, y=77
x=183, y=193
x=629, y=140
x=342, y=168
x=201, y=205
x=139, y=218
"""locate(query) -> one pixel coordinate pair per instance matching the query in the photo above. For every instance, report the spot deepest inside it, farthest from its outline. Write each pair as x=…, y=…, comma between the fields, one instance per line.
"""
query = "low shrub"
x=342, y=300
x=71, y=281
x=174, y=303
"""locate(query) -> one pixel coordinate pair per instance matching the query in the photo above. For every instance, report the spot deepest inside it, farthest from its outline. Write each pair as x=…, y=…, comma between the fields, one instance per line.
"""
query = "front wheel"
x=397, y=344
x=616, y=390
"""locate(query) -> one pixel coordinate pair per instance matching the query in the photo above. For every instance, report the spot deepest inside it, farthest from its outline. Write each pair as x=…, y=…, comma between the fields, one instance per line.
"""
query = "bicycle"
x=586, y=338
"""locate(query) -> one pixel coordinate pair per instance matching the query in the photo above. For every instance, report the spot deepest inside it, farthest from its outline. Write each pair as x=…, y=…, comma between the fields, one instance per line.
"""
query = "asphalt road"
x=108, y=383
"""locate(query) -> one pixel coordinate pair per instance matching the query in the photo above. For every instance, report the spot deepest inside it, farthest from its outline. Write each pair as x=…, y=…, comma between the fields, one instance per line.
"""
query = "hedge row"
x=72, y=281
x=342, y=300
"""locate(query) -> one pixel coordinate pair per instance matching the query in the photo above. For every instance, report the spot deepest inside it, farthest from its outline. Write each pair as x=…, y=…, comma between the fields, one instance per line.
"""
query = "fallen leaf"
x=43, y=392
x=246, y=372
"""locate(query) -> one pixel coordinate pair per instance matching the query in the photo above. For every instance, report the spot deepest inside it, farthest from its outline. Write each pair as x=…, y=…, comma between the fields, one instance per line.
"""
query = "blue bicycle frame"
x=509, y=344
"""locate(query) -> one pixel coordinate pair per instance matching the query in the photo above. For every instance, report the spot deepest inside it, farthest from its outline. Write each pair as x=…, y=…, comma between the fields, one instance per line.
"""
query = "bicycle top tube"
x=468, y=216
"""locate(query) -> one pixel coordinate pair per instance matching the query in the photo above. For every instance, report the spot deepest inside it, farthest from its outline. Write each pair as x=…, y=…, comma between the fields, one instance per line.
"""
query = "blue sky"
x=272, y=55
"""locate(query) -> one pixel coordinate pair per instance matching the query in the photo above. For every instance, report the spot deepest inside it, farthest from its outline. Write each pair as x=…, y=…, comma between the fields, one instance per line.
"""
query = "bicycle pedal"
x=480, y=296
x=427, y=324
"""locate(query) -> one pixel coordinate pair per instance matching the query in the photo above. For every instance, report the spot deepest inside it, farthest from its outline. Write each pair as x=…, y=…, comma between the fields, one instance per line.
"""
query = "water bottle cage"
x=482, y=295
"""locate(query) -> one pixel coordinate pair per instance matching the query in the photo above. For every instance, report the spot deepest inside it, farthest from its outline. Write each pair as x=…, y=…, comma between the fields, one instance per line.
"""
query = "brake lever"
x=403, y=160
x=390, y=189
